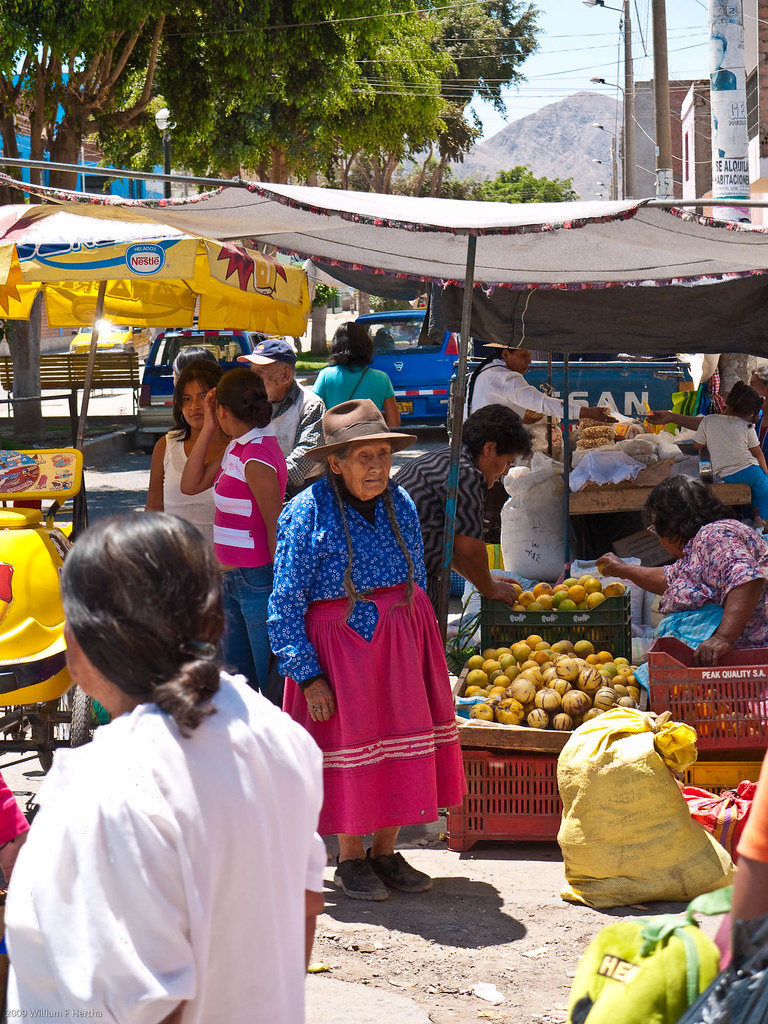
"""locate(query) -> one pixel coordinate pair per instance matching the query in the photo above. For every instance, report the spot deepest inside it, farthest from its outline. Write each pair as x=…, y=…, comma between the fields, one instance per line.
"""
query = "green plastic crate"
x=608, y=627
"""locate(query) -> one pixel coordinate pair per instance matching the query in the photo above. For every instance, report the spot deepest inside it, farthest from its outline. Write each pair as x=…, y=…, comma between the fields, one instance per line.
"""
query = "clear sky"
x=577, y=42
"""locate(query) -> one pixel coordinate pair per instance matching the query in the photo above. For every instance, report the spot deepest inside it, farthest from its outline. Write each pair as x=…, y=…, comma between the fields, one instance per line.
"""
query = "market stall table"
x=631, y=498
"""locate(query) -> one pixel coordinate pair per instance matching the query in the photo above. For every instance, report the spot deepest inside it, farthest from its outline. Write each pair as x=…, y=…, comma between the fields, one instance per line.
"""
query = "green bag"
x=649, y=970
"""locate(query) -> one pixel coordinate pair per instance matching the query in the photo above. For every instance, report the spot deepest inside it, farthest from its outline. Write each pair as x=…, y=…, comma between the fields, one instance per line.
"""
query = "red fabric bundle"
x=724, y=816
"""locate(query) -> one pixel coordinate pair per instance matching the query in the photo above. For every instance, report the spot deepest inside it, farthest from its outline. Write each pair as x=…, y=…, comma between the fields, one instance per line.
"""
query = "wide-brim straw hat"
x=358, y=420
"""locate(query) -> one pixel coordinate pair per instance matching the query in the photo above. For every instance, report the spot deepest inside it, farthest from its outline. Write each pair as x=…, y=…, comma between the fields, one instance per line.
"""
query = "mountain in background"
x=557, y=141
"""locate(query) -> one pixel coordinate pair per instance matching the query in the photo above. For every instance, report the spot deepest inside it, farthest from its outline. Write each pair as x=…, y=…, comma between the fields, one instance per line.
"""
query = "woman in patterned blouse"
x=358, y=640
x=718, y=561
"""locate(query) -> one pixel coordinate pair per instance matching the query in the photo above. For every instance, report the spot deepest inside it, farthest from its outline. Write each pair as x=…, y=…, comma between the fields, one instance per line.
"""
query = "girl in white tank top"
x=170, y=453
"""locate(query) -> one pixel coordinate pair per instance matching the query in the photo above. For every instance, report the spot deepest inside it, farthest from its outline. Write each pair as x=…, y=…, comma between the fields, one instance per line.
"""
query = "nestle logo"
x=145, y=259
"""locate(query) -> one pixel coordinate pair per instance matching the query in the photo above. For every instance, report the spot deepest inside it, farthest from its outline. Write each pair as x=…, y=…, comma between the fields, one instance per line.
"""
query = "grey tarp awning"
x=612, y=276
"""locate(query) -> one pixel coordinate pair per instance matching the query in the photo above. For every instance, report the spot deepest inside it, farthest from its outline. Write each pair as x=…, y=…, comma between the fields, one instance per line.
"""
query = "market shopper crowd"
x=200, y=789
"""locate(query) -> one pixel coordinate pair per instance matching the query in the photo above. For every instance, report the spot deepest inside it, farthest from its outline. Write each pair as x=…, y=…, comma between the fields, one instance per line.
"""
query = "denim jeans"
x=246, y=641
x=758, y=481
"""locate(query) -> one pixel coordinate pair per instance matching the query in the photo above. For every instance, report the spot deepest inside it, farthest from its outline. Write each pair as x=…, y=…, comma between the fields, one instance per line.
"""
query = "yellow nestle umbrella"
x=153, y=283
x=87, y=270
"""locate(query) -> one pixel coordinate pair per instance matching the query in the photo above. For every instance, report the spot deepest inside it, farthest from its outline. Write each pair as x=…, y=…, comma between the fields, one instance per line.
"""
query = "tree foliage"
x=519, y=185
x=478, y=51
x=262, y=86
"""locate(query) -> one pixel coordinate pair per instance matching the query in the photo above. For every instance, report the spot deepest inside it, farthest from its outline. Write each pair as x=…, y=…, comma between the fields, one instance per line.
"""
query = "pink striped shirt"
x=239, y=531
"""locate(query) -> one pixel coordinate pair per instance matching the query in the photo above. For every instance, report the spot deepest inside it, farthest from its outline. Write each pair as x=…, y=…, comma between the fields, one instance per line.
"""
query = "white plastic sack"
x=532, y=540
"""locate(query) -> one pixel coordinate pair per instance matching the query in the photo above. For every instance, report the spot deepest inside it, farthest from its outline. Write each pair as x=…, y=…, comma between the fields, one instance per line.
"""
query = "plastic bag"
x=604, y=466
x=740, y=994
x=532, y=539
x=626, y=833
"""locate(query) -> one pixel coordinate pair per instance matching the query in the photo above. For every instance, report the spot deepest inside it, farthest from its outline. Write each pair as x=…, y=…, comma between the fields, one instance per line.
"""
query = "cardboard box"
x=642, y=545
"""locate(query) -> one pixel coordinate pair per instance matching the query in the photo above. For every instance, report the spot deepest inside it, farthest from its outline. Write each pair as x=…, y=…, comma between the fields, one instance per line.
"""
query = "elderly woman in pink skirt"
x=358, y=640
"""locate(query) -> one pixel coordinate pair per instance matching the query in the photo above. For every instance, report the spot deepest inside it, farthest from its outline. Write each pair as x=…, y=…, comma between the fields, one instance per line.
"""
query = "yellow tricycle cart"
x=39, y=708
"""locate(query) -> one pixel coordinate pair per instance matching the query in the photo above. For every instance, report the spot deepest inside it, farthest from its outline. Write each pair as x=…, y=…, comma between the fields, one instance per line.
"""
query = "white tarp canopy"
x=571, y=277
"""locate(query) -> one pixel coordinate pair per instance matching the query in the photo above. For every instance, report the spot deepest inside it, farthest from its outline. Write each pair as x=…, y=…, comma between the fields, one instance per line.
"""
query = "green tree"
x=477, y=51
x=301, y=85
x=65, y=66
x=520, y=185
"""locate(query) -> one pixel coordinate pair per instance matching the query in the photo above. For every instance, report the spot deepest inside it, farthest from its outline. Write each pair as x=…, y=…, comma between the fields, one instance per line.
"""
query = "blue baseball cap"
x=271, y=350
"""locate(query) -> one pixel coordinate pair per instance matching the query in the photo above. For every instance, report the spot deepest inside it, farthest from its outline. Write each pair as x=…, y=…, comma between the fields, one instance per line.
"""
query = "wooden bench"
x=65, y=372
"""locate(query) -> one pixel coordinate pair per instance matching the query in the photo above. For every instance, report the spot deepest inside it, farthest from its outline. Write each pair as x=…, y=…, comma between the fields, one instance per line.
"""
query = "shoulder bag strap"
x=354, y=389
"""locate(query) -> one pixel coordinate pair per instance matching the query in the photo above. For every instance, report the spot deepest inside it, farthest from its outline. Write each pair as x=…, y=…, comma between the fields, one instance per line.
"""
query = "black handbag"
x=739, y=994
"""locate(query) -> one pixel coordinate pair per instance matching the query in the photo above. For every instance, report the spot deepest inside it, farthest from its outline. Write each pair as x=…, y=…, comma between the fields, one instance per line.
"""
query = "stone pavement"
x=330, y=1001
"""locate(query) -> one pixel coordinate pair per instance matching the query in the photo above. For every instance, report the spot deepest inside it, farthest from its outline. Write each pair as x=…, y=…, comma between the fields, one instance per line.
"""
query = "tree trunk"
x=734, y=366
x=319, y=339
x=363, y=303
x=24, y=344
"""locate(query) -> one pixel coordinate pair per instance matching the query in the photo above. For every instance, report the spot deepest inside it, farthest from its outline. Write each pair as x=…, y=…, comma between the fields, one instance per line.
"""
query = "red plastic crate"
x=510, y=796
x=726, y=704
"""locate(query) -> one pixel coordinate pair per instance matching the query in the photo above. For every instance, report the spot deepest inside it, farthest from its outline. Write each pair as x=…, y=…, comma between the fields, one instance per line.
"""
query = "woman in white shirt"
x=170, y=453
x=173, y=872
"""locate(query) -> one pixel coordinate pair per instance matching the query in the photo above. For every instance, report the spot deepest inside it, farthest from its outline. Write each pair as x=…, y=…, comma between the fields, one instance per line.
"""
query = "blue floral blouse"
x=311, y=559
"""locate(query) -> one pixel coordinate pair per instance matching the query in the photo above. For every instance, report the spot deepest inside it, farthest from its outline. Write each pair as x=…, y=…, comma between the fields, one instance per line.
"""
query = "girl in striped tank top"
x=248, y=490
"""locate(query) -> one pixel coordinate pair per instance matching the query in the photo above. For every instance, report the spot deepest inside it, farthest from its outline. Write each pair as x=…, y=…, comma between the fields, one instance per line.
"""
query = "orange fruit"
x=577, y=593
x=592, y=659
x=542, y=645
x=605, y=656
x=558, y=597
x=592, y=586
x=594, y=599
x=522, y=652
x=534, y=606
x=546, y=601
x=525, y=598
x=583, y=647
x=567, y=605
x=542, y=588
x=560, y=588
x=614, y=590
x=533, y=640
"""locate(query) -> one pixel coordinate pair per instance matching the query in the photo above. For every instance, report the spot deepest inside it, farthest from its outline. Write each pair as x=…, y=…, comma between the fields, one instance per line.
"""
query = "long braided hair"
x=349, y=586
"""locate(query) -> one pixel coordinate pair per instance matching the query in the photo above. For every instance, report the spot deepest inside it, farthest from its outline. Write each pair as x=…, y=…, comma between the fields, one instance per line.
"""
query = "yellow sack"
x=626, y=834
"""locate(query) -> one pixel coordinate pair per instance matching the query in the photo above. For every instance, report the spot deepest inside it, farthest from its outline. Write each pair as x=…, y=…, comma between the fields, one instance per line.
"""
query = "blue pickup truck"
x=421, y=371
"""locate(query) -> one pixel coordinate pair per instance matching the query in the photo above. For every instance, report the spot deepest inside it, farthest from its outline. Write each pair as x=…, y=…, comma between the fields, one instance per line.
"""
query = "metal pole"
x=167, y=163
x=664, y=183
x=91, y=364
x=630, y=167
x=614, y=170
x=457, y=413
x=566, y=465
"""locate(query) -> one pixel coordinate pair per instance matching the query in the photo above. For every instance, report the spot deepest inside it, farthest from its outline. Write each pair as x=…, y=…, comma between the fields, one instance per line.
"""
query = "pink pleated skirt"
x=391, y=753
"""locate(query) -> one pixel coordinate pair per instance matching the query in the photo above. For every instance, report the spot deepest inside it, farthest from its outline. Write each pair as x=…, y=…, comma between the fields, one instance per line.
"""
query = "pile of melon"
x=541, y=686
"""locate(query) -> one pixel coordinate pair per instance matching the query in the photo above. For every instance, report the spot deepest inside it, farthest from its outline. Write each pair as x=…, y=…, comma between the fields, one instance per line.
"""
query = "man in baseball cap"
x=296, y=411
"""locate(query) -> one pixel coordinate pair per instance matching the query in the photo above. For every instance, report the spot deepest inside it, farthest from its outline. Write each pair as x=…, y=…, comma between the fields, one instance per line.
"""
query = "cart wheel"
x=45, y=757
x=81, y=729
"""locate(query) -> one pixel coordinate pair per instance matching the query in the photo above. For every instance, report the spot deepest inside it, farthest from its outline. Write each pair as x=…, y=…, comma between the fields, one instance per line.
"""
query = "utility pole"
x=664, y=185
x=630, y=186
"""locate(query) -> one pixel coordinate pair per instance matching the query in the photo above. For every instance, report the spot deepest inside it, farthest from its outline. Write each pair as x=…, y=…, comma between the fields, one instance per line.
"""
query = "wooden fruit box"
x=478, y=735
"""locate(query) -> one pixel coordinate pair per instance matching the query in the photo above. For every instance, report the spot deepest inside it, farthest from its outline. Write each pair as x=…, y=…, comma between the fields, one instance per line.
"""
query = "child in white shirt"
x=734, y=448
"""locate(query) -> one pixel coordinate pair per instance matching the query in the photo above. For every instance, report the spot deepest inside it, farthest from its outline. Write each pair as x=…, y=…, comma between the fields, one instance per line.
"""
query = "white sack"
x=532, y=541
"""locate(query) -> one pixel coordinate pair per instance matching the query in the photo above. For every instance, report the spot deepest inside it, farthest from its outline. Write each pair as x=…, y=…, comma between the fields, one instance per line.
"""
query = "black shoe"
x=359, y=881
x=395, y=870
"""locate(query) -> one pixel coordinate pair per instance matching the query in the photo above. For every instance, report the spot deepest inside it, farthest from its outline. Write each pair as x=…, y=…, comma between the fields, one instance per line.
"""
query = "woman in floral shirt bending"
x=719, y=561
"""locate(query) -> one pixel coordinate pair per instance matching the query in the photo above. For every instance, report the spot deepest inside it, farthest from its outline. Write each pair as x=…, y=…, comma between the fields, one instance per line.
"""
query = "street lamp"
x=164, y=125
x=628, y=92
x=614, y=175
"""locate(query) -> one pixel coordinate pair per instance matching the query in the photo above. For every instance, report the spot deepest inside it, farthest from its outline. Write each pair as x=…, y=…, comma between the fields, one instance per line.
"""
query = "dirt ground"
x=494, y=916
